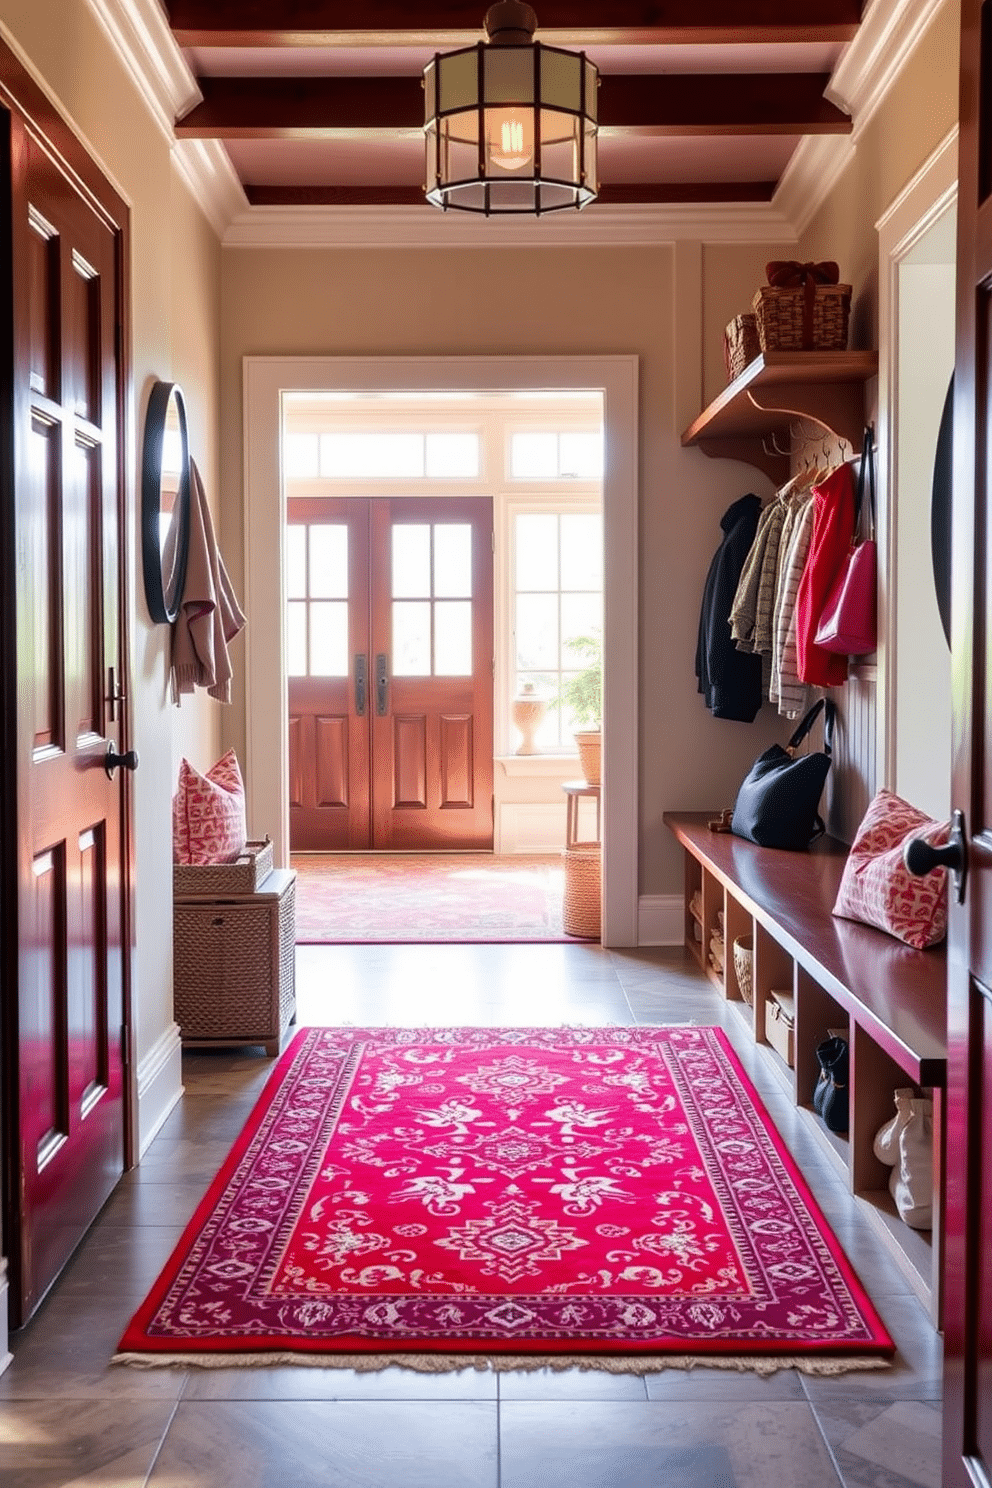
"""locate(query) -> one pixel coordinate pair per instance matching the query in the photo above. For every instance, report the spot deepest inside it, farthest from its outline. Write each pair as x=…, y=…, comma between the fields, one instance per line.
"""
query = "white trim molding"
x=931, y=192
x=266, y=379
x=160, y=1085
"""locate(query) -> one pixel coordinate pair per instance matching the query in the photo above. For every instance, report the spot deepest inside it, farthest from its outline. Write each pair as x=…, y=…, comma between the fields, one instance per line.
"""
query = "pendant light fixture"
x=510, y=124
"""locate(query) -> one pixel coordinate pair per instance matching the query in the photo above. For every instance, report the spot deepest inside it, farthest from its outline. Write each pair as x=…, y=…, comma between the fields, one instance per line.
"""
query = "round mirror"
x=165, y=486
x=940, y=511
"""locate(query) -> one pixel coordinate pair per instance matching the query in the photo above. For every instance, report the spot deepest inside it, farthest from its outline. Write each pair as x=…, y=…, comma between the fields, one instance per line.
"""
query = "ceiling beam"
x=410, y=196
x=661, y=104
x=205, y=23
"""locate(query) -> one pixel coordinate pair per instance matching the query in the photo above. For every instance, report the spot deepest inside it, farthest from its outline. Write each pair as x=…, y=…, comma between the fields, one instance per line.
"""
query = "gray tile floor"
x=69, y=1418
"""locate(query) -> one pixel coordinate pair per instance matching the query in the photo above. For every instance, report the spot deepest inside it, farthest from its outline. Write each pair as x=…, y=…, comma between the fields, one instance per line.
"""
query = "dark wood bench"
x=890, y=1000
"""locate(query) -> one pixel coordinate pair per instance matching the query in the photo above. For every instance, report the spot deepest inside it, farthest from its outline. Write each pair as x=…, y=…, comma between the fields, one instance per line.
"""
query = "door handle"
x=920, y=857
x=361, y=683
x=381, y=684
x=112, y=759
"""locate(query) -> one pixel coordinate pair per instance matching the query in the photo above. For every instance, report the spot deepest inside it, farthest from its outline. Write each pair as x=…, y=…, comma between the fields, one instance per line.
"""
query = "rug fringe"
x=761, y=1364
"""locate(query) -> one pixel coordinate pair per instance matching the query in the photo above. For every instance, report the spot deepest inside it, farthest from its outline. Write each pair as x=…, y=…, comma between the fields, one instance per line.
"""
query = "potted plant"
x=582, y=695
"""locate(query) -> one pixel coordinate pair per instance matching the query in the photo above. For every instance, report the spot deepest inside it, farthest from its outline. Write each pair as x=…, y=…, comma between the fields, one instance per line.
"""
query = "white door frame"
x=931, y=192
x=266, y=379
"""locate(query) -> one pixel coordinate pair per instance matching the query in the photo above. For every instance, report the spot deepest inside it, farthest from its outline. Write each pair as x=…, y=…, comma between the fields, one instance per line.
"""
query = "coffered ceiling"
x=701, y=101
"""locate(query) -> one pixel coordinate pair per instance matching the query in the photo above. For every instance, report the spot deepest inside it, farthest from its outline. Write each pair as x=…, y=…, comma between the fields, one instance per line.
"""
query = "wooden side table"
x=574, y=791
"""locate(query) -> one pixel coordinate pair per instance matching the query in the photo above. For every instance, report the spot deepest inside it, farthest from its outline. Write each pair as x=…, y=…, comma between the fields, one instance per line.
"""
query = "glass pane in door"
x=453, y=560
x=411, y=560
x=453, y=638
x=329, y=561
x=411, y=638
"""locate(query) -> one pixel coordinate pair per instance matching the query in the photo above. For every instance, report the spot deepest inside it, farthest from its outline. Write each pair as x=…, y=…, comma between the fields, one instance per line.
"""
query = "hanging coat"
x=729, y=680
x=833, y=529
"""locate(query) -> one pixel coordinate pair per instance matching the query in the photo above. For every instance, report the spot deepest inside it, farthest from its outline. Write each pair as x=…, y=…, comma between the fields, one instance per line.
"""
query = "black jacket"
x=730, y=680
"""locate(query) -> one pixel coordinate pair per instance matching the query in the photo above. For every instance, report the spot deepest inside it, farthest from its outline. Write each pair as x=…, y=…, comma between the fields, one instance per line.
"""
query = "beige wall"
x=550, y=302
x=175, y=267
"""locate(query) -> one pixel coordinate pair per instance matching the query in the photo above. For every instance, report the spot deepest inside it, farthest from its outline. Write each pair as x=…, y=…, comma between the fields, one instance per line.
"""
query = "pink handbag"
x=847, y=622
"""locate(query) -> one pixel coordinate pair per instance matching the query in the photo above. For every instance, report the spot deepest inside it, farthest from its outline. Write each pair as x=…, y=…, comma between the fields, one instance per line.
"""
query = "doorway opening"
x=444, y=600
x=269, y=383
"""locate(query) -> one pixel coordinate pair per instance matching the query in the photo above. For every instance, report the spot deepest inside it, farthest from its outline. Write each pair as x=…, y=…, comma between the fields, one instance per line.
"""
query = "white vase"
x=528, y=713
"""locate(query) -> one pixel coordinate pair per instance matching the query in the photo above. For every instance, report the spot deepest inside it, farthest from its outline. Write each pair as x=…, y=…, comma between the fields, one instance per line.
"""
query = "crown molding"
x=206, y=168
x=140, y=35
x=865, y=72
x=424, y=227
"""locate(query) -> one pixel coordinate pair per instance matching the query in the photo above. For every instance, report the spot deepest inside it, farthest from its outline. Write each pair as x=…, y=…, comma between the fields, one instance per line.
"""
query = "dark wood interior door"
x=390, y=659
x=65, y=1007
x=968, y=1250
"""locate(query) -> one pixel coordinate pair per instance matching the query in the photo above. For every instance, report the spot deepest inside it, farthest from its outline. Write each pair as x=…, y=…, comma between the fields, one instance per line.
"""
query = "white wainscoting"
x=853, y=776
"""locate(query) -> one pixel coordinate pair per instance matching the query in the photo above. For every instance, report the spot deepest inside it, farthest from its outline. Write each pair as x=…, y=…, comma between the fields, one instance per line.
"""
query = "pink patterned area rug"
x=465, y=1194
x=427, y=897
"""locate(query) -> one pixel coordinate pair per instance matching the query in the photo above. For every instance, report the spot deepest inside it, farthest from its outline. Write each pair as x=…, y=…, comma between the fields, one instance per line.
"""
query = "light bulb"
x=510, y=137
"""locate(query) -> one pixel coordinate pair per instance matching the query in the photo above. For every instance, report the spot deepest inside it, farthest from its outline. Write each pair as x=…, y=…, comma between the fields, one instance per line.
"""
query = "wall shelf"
x=752, y=417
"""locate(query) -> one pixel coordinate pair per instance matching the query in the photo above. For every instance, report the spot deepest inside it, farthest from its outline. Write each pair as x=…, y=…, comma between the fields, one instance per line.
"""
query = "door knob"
x=922, y=857
x=111, y=760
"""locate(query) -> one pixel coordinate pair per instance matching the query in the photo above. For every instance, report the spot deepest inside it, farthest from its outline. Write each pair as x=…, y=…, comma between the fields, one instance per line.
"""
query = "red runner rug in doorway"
x=427, y=897
x=412, y=1194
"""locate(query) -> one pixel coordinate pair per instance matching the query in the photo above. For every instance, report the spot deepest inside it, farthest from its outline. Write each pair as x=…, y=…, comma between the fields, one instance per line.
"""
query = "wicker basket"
x=581, y=907
x=743, y=959
x=243, y=876
x=740, y=344
x=787, y=323
x=234, y=963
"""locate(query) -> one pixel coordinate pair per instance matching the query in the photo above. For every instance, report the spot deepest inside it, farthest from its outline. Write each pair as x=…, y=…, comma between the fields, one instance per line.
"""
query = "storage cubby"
x=887, y=1000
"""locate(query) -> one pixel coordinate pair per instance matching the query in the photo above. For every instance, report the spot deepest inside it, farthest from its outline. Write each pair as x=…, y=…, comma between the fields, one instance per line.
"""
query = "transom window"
x=352, y=455
x=556, y=456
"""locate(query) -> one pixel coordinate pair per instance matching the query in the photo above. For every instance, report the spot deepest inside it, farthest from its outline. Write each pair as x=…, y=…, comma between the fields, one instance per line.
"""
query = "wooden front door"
x=968, y=1250
x=390, y=659
x=66, y=843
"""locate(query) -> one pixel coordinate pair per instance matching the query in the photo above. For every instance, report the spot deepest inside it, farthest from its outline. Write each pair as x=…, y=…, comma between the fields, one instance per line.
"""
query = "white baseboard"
x=530, y=827
x=660, y=919
x=160, y=1085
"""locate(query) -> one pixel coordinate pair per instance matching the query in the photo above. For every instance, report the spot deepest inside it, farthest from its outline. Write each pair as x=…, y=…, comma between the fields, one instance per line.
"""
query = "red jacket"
x=833, y=529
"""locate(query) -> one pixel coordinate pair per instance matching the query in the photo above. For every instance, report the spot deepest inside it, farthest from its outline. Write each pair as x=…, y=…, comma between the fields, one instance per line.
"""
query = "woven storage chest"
x=581, y=907
x=234, y=964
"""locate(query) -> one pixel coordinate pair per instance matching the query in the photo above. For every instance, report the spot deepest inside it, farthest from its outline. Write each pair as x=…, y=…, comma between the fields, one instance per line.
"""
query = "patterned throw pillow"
x=208, y=813
x=879, y=889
